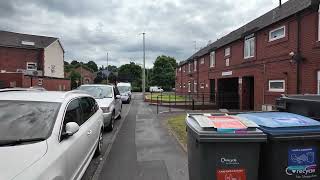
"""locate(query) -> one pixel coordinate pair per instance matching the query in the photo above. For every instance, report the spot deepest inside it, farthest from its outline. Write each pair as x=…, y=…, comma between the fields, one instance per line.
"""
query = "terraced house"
x=277, y=53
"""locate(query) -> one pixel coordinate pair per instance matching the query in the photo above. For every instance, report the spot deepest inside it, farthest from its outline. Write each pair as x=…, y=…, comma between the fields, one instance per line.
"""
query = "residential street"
x=143, y=149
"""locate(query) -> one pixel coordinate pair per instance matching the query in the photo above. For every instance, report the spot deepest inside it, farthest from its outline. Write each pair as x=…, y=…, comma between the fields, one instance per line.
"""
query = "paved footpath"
x=144, y=150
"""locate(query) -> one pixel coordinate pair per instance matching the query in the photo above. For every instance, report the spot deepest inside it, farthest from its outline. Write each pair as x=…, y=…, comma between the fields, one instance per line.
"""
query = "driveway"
x=143, y=149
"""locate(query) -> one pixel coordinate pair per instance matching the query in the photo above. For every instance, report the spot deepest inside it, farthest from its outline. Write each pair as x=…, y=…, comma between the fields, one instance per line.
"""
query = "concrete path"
x=144, y=150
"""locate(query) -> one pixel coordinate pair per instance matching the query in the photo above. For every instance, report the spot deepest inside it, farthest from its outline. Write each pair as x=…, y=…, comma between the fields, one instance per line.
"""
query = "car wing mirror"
x=118, y=96
x=71, y=128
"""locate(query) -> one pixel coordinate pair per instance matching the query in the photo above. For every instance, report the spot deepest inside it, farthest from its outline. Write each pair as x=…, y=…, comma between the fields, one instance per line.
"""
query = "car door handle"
x=89, y=132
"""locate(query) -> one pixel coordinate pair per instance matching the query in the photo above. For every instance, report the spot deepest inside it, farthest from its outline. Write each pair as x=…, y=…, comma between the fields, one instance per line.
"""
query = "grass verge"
x=178, y=126
x=166, y=97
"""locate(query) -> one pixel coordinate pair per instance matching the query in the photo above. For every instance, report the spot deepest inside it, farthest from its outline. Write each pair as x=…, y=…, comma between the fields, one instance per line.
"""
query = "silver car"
x=48, y=135
x=109, y=100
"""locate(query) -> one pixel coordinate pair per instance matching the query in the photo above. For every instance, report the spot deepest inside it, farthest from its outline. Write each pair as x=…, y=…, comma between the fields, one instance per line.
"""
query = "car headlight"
x=105, y=109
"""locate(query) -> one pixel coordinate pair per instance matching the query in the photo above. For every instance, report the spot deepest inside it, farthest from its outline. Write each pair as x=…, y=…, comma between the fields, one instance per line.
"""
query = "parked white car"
x=48, y=135
x=155, y=89
x=109, y=100
x=125, y=92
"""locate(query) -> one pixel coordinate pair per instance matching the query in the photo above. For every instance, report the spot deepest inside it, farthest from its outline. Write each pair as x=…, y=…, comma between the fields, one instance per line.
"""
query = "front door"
x=318, y=82
x=248, y=93
x=212, y=90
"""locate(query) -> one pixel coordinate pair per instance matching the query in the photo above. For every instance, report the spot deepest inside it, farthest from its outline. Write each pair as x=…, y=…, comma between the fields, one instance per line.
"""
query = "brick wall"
x=271, y=62
x=12, y=59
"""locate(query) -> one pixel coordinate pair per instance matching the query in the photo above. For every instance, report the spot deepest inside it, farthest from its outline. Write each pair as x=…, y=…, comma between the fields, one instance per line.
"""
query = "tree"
x=74, y=62
x=66, y=63
x=163, y=73
x=92, y=65
x=75, y=79
x=130, y=73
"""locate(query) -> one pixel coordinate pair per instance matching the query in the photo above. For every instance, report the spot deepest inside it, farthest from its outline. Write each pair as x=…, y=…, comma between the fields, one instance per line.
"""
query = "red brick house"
x=30, y=60
x=86, y=73
x=277, y=53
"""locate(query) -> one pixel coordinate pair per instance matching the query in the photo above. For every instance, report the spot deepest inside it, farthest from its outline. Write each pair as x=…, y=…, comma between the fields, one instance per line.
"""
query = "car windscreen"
x=26, y=120
x=124, y=89
x=98, y=92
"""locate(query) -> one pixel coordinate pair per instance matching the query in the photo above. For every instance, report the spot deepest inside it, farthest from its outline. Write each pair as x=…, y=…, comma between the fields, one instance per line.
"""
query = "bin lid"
x=282, y=123
x=223, y=128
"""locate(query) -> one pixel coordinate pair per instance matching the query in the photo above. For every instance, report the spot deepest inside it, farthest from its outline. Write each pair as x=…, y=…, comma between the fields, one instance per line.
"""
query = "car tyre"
x=99, y=145
x=111, y=124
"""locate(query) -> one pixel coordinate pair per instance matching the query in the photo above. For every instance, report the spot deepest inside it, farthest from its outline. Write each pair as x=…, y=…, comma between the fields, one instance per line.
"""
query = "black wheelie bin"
x=293, y=146
x=223, y=147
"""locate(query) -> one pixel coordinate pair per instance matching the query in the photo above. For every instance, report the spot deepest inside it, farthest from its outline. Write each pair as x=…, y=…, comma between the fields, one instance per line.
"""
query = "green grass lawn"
x=178, y=125
x=165, y=97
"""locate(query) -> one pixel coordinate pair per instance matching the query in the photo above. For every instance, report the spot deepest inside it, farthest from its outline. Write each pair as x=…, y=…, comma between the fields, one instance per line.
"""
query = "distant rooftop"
x=13, y=39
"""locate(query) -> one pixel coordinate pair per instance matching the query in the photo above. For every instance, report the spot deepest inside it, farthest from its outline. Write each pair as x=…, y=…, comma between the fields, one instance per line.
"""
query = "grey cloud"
x=89, y=28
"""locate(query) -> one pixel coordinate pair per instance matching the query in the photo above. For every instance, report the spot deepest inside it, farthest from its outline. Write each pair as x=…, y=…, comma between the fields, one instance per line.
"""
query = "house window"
x=227, y=62
x=189, y=87
x=195, y=86
x=277, y=85
x=227, y=51
x=318, y=82
x=202, y=61
x=184, y=68
x=180, y=69
x=249, y=46
x=189, y=69
x=212, y=59
x=195, y=65
x=184, y=85
x=277, y=33
x=31, y=66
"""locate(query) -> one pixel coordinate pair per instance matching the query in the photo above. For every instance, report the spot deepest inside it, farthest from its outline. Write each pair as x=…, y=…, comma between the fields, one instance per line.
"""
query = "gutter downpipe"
x=298, y=57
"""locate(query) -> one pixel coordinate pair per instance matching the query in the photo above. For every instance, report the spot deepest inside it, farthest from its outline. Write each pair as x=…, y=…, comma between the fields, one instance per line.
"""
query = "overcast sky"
x=90, y=28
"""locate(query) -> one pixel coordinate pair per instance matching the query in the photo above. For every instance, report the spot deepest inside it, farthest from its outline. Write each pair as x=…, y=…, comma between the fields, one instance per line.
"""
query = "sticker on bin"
x=224, y=124
x=231, y=174
x=302, y=163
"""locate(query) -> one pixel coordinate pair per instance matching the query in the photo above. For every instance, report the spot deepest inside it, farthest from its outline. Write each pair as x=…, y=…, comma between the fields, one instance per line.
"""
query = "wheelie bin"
x=222, y=147
x=293, y=146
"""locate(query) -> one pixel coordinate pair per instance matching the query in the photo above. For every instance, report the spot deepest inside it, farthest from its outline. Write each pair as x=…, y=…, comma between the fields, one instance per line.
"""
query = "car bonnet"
x=16, y=159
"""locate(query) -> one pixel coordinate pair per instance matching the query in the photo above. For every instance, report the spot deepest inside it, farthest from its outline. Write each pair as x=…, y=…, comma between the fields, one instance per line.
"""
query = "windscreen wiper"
x=19, y=141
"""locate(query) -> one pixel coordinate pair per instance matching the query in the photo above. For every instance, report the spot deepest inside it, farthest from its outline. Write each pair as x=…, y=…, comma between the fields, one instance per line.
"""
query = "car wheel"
x=111, y=124
x=99, y=145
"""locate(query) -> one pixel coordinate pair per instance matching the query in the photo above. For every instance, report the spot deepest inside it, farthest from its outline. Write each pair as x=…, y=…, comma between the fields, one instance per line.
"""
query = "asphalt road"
x=107, y=142
x=142, y=149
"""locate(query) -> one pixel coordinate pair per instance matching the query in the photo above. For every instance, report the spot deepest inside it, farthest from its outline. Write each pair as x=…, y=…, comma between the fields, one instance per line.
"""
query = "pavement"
x=140, y=149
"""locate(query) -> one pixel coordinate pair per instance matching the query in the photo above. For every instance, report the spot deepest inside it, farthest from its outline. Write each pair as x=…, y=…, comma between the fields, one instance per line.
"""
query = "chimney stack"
x=280, y=3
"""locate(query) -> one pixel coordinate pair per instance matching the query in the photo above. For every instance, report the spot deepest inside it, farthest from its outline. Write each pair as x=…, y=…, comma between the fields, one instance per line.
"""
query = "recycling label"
x=302, y=163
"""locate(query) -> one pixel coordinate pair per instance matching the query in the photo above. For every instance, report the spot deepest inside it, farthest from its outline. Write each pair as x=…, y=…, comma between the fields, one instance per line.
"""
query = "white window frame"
x=180, y=69
x=228, y=62
x=212, y=59
x=195, y=65
x=227, y=51
x=202, y=61
x=189, y=67
x=279, y=37
x=248, y=40
x=318, y=82
x=32, y=63
x=195, y=86
x=277, y=90
x=189, y=87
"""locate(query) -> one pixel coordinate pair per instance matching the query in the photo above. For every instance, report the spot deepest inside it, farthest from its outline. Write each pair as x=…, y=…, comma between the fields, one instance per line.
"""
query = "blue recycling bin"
x=293, y=147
